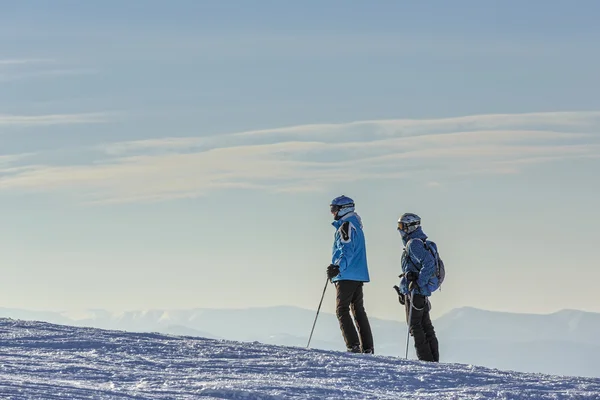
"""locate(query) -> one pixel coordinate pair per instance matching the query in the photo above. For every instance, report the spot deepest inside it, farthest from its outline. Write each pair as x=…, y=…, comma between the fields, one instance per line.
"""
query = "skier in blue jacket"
x=349, y=271
x=419, y=280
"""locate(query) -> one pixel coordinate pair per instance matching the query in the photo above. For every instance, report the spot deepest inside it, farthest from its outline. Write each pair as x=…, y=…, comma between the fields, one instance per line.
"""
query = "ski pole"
x=318, y=309
x=408, y=322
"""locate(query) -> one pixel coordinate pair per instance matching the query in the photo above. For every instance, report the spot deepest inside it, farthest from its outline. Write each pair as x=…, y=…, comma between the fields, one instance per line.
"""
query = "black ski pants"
x=421, y=329
x=349, y=297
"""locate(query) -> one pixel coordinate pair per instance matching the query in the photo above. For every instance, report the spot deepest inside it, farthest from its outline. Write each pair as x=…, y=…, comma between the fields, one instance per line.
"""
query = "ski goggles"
x=334, y=208
x=402, y=226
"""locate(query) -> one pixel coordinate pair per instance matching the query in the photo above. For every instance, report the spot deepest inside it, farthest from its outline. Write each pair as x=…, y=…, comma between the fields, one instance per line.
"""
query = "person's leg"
x=362, y=321
x=345, y=293
x=430, y=335
x=416, y=327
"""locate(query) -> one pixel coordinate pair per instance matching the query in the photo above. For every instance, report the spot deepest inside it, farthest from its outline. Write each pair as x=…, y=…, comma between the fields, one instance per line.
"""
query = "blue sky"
x=183, y=154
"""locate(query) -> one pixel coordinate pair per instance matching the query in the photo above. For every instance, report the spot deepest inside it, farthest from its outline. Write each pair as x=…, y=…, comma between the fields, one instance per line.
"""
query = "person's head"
x=341, y=206
x=408, y=223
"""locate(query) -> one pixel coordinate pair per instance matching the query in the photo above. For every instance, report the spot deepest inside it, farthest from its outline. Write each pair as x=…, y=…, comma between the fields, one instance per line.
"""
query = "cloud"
x=57, y=72
x=28, y=68
x=481, y=127
x=25, y=61
x=12, y=158
x=314, y=157
x=53, y=119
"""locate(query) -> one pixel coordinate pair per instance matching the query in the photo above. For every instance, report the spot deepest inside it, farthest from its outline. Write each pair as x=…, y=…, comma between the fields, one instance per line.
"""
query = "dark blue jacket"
x=418, y=259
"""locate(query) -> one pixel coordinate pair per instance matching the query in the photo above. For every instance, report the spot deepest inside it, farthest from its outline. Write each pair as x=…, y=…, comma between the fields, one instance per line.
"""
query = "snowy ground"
x=44, y=361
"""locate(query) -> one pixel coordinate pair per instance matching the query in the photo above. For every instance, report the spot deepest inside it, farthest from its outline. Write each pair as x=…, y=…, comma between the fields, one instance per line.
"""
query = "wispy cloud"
x=53, y=119
x=16, y=69
x=313, y=157
x=47, y=73
x=25, y=61
x=9, y=159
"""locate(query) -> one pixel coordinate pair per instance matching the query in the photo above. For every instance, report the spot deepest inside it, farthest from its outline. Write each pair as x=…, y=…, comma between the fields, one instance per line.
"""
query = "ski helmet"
x=409, y=222
x=341, y=206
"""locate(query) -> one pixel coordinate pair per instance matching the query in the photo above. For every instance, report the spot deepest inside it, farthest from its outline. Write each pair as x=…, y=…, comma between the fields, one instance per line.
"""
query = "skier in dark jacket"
x=418, y=280
x=349, y=271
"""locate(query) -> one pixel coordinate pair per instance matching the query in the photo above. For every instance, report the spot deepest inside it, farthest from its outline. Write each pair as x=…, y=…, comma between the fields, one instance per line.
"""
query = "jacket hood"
x=416, y=234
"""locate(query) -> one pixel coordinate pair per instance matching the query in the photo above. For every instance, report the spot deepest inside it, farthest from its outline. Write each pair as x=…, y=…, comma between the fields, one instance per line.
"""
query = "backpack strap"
x=408, y=255
x=429, y=248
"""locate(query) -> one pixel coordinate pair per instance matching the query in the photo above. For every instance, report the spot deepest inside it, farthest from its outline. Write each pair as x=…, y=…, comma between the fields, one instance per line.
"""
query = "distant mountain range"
x=563, y=343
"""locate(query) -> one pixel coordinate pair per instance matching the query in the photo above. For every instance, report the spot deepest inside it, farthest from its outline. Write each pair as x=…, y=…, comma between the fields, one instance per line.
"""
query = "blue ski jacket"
x=349, y=249
x=417, y=258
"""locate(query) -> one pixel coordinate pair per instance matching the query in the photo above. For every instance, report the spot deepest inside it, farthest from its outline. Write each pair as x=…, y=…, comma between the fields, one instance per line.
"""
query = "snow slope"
x=44, y=361
x=561, y=343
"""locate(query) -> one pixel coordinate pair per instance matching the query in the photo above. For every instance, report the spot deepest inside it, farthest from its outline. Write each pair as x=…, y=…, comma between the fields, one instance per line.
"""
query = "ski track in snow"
x=45, y=361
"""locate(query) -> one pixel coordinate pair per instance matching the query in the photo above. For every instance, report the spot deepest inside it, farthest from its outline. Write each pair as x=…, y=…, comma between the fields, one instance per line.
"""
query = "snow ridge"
x=46, y=361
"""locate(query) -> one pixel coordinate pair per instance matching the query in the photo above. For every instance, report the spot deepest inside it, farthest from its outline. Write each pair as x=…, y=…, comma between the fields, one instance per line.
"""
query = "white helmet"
x=409, y=222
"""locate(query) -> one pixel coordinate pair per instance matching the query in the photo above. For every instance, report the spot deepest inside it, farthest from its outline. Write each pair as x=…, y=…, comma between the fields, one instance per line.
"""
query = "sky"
x=184, y=154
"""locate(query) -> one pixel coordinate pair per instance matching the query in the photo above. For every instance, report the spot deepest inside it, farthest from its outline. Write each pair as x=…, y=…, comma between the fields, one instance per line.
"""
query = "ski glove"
x=401, y=297
x=333, y=271
x=411, y=276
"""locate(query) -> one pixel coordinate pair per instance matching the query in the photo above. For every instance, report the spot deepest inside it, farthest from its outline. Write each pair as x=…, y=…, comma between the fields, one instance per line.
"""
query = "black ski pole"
x=408, y=322
x=410, y=300
x=318, y=309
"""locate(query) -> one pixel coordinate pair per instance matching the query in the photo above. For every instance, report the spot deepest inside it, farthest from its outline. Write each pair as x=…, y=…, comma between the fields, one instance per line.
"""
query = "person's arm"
x=346, y=232
x=422, y=258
